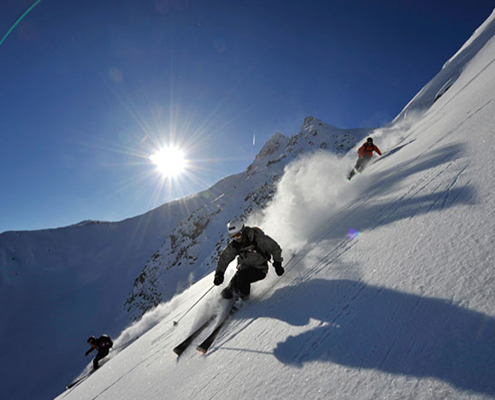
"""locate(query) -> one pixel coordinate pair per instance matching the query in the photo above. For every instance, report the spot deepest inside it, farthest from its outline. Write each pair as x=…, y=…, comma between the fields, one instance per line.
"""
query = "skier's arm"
x=276, y=252
x=228, y=255
x=270, y=247
x=361, y=151
x=378, y=150
x=91, y=349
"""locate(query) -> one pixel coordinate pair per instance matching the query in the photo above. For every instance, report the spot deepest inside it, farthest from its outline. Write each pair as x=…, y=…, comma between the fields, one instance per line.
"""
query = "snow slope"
x=389, y=290
x=63, y=285
x=66, y=284
x=193, y=245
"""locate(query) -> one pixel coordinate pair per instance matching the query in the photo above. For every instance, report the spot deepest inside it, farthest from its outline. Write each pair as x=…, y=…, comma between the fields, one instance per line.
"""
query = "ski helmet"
x=370, y=140
x=235, y=227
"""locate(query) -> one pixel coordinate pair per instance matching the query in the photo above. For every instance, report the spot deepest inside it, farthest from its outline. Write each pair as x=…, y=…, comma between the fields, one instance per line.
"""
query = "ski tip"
x=75, y=383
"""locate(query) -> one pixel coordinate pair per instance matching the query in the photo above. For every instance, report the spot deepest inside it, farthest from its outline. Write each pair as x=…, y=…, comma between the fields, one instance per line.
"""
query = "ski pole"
x=175, y=323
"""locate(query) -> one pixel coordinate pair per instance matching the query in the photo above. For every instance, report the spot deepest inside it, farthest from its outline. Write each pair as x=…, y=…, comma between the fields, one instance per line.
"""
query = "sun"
x=169, y=161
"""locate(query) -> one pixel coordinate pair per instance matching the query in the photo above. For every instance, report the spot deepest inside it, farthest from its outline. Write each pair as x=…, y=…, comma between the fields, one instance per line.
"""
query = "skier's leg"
x=101, y=354
x=227, y=292
x=359, y=164
x=351, y=174
x=245, y=277
x=366, y=160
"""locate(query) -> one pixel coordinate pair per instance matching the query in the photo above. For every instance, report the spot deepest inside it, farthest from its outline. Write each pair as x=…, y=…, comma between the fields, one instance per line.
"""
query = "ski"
x=84, y=377
x=206, y=344
x=78, y=381
x=185, y=344
x=71, y=385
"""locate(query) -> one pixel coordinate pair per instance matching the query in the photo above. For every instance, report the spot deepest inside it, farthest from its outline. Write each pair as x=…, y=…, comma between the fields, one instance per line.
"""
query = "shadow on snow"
x=429, y=195
x=372, y=327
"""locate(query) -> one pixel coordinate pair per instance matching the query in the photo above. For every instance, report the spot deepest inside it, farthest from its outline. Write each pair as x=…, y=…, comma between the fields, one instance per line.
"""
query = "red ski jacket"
x=366, y=150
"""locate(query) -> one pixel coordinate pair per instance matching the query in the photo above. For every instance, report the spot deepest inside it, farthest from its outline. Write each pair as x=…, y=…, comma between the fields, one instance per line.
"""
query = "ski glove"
x=278, y=268
x=218, y=279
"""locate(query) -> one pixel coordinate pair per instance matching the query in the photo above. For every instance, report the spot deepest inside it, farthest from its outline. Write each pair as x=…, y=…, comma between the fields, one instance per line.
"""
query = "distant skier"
x=103, y=344
x=365, y=152
x=253, y=250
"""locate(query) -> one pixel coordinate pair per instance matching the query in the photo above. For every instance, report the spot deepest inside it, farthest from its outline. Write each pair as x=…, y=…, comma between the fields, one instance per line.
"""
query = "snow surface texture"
x=89, y=278
x=389, y=286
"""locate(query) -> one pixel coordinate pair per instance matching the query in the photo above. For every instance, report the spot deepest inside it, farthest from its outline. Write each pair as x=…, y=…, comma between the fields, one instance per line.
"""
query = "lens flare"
x=353, y=234
x=18, y=21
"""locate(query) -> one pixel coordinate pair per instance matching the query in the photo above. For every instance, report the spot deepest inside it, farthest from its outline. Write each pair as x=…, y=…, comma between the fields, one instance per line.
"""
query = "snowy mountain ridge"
x=98, y=276
x=194, y=244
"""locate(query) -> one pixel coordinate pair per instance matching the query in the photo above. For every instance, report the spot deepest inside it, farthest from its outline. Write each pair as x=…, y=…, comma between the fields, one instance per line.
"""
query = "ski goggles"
x=236, y=236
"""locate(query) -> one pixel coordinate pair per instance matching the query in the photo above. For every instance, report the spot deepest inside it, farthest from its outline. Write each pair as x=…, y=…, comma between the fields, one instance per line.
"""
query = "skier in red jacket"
x=365, y=152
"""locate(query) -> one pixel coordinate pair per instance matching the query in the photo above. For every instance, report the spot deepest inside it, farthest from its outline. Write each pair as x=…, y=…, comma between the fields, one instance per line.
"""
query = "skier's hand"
x=278, y=268
x=87, y=353
x=218, y=279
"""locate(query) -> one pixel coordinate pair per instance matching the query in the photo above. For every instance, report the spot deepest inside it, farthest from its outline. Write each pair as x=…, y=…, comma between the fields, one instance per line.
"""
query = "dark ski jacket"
x=103, y=345
x=366, y=150
x=254, y=251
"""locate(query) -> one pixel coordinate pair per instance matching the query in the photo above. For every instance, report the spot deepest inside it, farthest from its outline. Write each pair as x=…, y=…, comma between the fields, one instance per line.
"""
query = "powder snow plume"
x=312, y=189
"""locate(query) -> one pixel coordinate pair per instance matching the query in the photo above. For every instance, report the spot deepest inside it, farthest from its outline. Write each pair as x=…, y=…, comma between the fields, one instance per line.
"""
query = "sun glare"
x=169, y=161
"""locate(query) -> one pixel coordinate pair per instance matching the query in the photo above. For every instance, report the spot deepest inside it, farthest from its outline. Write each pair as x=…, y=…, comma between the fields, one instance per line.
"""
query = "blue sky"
x=89, y=90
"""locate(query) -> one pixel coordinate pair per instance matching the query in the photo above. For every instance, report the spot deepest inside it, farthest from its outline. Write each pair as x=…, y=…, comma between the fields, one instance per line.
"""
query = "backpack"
x=105, y=341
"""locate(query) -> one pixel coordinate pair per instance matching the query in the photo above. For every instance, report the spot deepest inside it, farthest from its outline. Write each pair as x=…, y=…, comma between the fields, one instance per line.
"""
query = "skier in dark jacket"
x=365, y=152
x=103, y=344
x=253, y=250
